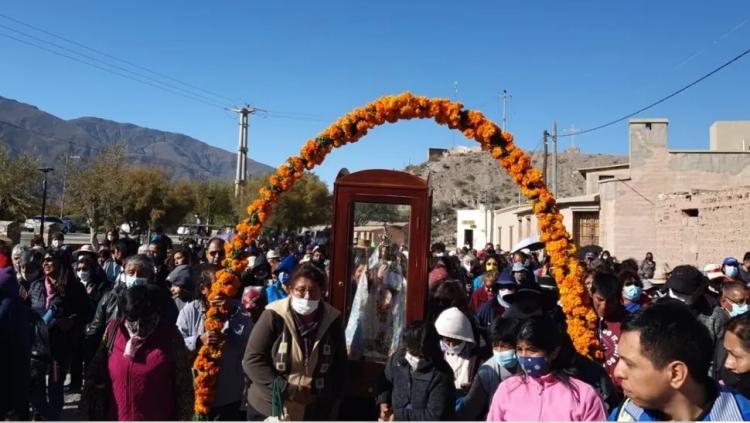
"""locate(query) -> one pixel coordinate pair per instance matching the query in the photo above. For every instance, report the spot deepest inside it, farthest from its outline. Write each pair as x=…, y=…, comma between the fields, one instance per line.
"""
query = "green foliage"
x=378, y=212
x=94, y=187
x=19, y=181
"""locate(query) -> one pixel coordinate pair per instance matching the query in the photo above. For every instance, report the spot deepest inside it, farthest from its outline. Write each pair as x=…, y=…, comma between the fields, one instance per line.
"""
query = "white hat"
x=713, y=271
x=272, y=254
x=452, y=323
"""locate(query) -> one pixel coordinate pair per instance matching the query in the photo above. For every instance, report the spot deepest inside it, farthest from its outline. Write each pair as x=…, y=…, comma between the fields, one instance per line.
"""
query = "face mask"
x=56, y=243
x=84, y=276
x=534, y=366
x=506, y=358
x=131, y=281
x=738, y=309
x=414, y=362
x=731, y=271
x=491, y=267
x=110, y=238
x=456, y=349
x=501, y=294
x=519, y=277
x=633, y=292
x=303, y=306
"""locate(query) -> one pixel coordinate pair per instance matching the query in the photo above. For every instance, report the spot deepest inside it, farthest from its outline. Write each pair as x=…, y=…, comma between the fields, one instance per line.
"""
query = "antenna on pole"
x=241, y=176
x=505, y=97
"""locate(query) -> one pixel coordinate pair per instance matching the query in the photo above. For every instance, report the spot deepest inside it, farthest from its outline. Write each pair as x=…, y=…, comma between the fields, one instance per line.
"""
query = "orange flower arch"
x=581, y=318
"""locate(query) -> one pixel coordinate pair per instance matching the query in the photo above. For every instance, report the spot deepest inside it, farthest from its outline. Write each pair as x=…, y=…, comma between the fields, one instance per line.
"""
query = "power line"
x=127, y=62
x=661, y=100
x=123, y=75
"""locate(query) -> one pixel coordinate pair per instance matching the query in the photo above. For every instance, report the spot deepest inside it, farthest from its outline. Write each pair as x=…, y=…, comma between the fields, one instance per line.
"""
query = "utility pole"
x=455, y=98
x=554, y=159
x=44, y=170
x=572, y=132
x=545, y=135
x=241, y=176
x=505, y=97
x=69, y=155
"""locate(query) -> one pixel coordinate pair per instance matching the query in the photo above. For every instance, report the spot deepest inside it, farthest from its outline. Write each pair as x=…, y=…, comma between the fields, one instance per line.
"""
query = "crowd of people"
x=123, y=322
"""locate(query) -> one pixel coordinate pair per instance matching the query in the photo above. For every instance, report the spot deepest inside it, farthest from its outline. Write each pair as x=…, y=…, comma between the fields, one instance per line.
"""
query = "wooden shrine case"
x=378, y=287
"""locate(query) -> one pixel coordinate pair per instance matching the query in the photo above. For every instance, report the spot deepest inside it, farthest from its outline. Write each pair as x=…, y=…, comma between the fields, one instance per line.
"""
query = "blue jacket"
x=728, y=406
x=15, y=357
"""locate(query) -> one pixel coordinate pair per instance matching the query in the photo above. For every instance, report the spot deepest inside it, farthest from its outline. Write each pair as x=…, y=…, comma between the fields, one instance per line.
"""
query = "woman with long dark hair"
x=543, y=391
x=63, y=305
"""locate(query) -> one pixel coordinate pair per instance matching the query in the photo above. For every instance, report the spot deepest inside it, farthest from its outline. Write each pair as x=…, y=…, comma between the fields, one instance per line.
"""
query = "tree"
x=214, y=200
x=307, y=203
x=147, y=197
x=94, y=190
x=378, y=212
x=19, y=181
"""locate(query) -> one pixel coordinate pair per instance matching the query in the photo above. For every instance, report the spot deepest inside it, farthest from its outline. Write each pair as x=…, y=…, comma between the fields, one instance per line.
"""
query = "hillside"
x=25, y=128
x=459, y=180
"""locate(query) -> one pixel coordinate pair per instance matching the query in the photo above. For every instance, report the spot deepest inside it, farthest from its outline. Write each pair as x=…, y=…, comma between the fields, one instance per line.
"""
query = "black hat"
x=686, y=280
x=525, y=290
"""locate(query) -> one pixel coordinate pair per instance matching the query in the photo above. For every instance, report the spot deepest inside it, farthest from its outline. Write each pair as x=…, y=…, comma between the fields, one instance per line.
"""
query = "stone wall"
x=702, y=227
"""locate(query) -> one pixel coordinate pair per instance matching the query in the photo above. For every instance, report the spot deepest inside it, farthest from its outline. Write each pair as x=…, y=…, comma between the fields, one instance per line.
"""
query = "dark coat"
x=15, y=357
x=426, y=394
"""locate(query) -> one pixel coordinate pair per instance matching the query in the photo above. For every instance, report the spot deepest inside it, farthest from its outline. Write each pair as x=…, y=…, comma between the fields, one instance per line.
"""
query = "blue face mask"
x=633, y=292
x=506, y=358
x=738, y=309
x=534, y=366
x=731, y=271
x=131, y=281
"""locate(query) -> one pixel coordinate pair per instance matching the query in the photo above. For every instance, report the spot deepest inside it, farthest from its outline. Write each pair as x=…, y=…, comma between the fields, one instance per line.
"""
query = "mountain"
x=461, y=177
x=26, y=129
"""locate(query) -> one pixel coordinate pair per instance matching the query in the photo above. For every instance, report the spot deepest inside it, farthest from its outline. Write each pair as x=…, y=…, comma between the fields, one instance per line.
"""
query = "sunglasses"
x=48, y=260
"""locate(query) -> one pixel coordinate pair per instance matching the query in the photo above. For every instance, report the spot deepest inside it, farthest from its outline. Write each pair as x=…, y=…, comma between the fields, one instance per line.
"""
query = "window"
x=690, y=212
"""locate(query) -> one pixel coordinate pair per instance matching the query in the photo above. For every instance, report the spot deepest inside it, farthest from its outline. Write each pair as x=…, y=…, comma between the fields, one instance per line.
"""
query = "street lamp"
x=44, y=170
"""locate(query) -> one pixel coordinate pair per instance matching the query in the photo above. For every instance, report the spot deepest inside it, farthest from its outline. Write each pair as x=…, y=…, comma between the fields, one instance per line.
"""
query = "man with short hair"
x=665, y=354
x=734, y=302
x=215, y=253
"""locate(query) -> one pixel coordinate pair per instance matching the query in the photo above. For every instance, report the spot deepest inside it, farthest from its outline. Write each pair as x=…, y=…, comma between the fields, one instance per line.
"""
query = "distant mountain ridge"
x=26, y=129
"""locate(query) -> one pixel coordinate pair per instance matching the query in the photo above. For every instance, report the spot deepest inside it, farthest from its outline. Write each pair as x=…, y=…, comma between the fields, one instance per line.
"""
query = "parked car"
x=33, y=224
x=70, y=226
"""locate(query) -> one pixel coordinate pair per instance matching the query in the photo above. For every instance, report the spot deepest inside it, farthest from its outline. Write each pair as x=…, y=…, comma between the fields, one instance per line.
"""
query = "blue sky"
x=580, y=63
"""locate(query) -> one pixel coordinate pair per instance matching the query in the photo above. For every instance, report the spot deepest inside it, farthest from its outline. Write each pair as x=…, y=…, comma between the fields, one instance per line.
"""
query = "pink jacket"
x=544, y=399
x=143, y=388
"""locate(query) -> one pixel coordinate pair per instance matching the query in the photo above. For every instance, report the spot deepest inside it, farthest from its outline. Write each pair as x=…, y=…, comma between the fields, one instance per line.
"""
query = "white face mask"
x=303, y=306
x=455, y=349
x=84, y=276
x=131, y=281
x=414, y=362
x=110, y=238
x=56, y=243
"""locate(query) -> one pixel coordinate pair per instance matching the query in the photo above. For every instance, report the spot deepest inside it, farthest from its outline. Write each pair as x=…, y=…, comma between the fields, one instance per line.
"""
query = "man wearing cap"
x=731, y=268
x=687, y=285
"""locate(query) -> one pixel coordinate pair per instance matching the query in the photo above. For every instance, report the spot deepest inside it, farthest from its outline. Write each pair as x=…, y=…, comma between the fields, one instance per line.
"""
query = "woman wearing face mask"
x=458, y=343
x=502, y=365
x=633, y=297
x=61, y=302
x=296, y=354
x=142, y=369
x=30, y=269
x=543, y=392
x=737, y=345
x=417, y=384
x=731, y=268
x=491, y=265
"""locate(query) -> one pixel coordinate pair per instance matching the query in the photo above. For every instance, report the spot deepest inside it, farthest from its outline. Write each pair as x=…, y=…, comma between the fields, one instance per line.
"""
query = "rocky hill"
x=25, y=128
x=461, y=179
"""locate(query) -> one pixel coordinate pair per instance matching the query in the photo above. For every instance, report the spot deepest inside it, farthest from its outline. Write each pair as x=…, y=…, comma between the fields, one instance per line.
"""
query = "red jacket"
x=143, y=388
x=479, y=297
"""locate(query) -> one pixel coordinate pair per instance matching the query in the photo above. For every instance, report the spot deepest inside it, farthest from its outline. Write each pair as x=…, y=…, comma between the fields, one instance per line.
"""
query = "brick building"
x=623, y=204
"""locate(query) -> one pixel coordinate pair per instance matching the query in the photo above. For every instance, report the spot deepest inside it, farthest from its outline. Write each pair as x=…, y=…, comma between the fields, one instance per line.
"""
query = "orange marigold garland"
x=577, y=306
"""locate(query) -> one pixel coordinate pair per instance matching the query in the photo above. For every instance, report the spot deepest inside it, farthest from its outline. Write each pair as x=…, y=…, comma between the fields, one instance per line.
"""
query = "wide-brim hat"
x=713, y=271
x=85, y=249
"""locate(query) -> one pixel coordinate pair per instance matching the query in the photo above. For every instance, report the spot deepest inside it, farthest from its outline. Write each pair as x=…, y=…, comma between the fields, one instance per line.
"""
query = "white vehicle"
x=50, y=222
